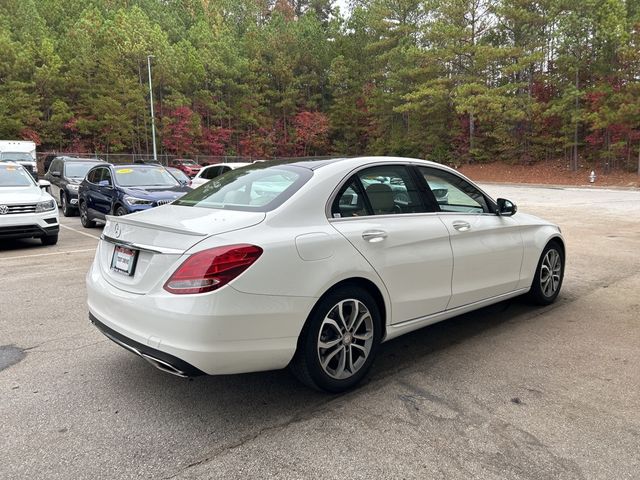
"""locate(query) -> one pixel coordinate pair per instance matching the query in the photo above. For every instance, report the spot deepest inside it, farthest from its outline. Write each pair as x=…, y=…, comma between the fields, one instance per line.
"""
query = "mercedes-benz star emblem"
x=116, y=230
x=4, y=209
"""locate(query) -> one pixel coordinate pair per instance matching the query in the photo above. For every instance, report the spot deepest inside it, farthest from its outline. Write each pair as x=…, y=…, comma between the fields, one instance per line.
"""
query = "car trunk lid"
x=158, y=238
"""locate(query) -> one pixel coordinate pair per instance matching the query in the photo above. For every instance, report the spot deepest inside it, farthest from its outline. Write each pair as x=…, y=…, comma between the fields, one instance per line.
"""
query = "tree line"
x=450, y=80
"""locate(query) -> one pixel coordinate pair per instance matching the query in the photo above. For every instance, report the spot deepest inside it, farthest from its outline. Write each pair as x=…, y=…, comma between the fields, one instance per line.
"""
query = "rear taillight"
x=211, y=269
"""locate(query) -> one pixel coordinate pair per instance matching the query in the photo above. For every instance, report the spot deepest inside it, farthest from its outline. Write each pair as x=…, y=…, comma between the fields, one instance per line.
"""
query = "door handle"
x=461, y=226
x=374, y=236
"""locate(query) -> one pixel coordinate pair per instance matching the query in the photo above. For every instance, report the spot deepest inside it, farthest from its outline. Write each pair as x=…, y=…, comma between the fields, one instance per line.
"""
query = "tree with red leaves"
x=181, y=129
x=311, y=130
x=216, y=140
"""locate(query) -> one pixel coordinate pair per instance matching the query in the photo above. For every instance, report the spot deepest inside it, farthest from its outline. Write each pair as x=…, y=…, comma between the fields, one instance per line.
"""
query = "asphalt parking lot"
x=512, y=391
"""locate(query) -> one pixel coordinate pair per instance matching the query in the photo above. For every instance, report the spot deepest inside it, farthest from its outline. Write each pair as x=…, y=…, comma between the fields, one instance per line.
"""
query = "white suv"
x=26, y=210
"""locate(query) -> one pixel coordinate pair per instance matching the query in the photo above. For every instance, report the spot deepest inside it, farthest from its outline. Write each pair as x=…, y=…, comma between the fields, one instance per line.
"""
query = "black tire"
x=84, y=217
x=67, y=210
x=306, y=363
x=545, y=290
x=49, y=239
x=120, y=210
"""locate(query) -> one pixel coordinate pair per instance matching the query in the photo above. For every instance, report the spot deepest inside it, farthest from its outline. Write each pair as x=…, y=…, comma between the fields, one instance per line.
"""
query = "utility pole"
x=153, y=120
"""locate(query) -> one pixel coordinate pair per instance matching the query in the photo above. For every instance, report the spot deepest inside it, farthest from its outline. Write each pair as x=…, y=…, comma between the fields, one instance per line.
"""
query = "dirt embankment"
x=548, y=173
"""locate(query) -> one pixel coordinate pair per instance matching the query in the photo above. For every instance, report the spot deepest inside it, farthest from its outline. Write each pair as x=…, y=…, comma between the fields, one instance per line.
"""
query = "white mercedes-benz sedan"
x=312, y=264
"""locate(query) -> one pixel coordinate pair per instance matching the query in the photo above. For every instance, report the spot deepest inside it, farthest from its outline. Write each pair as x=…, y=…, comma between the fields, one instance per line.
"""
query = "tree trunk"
x=574, y=157
x=472, y=129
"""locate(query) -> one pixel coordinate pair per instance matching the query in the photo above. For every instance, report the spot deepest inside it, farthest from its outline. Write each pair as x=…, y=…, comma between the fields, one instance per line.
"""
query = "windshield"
x=187, y=162
x=16, y=157
x=77, y=169
x=179, y=174
x=140, y=176
x=15, y=176
x=256, y=189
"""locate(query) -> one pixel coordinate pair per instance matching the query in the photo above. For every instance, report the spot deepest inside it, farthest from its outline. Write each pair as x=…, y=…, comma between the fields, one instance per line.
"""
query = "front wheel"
x=120, y=211
x=549, y=275
x=339, y=341
x=67, y=210
x=84, y=216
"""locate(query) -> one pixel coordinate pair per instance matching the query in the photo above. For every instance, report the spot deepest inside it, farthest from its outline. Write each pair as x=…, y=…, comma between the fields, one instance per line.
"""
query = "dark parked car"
x=122, y=189
x=65, y=175
x=180, y=176
x=186, y=165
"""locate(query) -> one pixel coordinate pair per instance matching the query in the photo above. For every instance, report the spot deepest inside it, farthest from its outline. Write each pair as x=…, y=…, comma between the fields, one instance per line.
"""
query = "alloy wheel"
x=345, y=339
x=550, y=271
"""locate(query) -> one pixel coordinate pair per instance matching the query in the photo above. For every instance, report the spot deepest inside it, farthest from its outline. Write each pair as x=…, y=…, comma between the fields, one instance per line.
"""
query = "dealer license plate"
x=124, y=260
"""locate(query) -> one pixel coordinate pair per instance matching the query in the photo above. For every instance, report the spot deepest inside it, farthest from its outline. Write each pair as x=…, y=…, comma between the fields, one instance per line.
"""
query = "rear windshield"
x=144, y=177
x=251, y=189
x=77, y=169
x=15, y=176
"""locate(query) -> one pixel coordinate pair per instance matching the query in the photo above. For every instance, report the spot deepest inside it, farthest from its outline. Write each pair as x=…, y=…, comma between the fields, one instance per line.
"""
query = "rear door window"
x=380, y=190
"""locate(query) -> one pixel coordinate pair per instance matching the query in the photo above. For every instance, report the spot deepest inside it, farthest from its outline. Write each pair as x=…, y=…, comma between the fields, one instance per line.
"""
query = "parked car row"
x=95, y=189
x=90, y=187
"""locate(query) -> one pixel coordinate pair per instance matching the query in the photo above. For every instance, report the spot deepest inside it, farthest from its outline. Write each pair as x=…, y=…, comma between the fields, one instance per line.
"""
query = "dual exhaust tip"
x=156, y=362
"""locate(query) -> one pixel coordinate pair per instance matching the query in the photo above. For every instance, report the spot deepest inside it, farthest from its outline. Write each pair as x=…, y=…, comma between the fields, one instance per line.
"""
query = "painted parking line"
x=81, y=233
x=66, y=252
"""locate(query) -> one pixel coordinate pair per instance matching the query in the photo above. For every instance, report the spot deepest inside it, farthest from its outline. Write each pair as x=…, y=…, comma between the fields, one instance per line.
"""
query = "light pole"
x=153, y=120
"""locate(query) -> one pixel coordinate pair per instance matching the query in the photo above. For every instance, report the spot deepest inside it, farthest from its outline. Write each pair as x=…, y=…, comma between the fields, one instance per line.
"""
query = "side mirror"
x=104, y=183
x=44, y=184
x=506, y=208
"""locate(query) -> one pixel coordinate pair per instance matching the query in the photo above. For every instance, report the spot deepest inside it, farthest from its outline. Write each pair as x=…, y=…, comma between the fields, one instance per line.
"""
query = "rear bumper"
x=222, y=332
x=158, y=359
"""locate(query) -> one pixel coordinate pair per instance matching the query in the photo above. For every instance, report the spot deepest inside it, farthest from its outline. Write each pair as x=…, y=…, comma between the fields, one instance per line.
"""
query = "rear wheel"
x=339, y=341
x=84, y=216
x=549, y=275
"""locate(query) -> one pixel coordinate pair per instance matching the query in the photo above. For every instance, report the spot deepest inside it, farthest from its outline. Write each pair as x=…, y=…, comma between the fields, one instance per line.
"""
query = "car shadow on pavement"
x=277, y=395
x=27, y=244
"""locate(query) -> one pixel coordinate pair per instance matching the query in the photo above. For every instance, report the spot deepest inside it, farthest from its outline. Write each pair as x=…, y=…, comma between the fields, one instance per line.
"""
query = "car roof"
x=80, y=159
x=135, y=165
x=230, y=164
x=316, y=163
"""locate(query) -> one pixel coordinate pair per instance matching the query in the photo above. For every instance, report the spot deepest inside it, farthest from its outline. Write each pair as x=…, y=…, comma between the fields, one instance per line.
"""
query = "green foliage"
x=451, y=80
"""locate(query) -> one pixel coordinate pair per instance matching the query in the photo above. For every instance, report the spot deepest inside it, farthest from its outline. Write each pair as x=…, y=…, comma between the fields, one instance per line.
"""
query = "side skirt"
x=398, y=329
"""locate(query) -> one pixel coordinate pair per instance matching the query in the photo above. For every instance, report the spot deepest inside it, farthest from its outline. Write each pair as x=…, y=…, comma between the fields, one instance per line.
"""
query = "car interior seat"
x=381, y=198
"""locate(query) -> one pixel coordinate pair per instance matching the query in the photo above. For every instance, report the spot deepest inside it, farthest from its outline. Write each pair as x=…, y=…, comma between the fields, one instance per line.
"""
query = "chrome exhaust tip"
x=164, y=366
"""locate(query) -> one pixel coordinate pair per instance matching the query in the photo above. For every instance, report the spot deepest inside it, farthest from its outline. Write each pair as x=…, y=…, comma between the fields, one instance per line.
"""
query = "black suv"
x=65, y=175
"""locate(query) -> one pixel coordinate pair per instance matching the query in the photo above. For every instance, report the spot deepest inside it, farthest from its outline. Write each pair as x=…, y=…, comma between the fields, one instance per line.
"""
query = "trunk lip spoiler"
x=142, y=246
x=155, y=226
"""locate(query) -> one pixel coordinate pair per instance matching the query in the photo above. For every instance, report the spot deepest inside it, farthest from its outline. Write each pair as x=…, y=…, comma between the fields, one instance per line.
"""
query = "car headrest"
x=381, y=198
